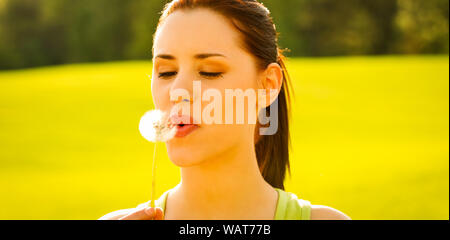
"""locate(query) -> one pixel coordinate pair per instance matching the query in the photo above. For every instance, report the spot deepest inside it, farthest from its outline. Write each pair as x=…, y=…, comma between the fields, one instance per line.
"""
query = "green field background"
x=370, y=137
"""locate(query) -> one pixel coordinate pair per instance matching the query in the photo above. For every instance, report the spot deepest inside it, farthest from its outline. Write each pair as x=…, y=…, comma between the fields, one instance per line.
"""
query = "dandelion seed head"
x=155, y=127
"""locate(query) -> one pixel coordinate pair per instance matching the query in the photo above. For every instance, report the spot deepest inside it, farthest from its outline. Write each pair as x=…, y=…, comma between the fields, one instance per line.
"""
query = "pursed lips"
x=184, y=124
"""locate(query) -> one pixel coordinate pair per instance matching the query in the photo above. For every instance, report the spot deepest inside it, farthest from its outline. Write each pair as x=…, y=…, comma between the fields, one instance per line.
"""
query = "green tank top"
x=289, y=206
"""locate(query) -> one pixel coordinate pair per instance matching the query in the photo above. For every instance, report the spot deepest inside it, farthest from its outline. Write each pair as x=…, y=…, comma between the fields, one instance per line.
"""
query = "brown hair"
x=260, y=38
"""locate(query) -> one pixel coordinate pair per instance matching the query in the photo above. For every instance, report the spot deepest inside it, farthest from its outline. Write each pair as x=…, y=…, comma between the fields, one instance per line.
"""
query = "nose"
x=182, y=105
x=181, y=88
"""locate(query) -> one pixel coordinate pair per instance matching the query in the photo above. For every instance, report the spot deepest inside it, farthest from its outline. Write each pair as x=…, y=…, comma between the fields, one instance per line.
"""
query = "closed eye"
x=211, y=74
x=205, y=74
x=167, y=74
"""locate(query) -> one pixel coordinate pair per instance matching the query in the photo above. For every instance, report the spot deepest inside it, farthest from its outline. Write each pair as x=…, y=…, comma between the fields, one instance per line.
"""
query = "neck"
x=231, y=180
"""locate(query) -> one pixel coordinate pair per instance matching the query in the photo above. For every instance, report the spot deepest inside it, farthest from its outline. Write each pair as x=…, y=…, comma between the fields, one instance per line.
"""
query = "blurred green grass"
x=369, y=137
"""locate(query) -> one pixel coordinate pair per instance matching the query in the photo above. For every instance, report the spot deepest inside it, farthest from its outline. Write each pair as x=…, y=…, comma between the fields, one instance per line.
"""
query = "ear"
x=272, y=81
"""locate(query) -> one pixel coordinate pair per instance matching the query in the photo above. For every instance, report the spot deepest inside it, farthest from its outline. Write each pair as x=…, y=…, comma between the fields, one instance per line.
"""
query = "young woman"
x=227, y=171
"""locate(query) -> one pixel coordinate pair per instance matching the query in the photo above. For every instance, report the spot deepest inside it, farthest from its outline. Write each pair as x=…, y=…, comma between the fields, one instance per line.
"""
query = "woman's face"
x=180, y=45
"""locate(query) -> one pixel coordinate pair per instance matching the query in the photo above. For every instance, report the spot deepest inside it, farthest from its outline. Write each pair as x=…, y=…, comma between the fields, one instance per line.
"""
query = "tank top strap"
x=290, y=207
x=280, y=212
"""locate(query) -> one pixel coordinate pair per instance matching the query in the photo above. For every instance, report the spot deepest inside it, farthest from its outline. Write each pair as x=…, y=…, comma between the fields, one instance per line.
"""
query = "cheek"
x=241, y=79
x=160, y=95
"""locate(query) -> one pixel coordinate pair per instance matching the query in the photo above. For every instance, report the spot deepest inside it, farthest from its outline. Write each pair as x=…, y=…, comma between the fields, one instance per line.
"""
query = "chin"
x=183, y=156
x=183, y=161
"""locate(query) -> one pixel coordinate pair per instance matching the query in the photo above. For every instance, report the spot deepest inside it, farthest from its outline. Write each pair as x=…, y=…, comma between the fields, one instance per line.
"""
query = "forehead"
x=193, y=31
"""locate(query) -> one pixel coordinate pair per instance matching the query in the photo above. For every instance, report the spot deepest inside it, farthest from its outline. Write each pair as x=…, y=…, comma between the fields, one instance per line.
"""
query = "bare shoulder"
x=116, y=215
x=319, y=212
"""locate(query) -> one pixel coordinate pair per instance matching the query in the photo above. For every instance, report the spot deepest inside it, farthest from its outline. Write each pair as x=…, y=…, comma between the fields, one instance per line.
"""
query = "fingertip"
x=159, y=214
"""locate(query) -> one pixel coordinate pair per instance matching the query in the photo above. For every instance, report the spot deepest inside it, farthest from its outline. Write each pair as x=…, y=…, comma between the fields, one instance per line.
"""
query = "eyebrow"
x=197, y=56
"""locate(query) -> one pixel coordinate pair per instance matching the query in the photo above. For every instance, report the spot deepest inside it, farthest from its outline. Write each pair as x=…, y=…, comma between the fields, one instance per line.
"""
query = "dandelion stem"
x=152, y=202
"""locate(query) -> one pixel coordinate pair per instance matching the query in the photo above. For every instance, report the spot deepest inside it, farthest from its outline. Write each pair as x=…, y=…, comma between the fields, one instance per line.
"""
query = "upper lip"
x=181, y=119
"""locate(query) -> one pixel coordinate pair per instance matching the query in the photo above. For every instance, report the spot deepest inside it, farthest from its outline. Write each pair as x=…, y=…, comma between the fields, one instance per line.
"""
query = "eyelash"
x=205, y=74
x=167, y=74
